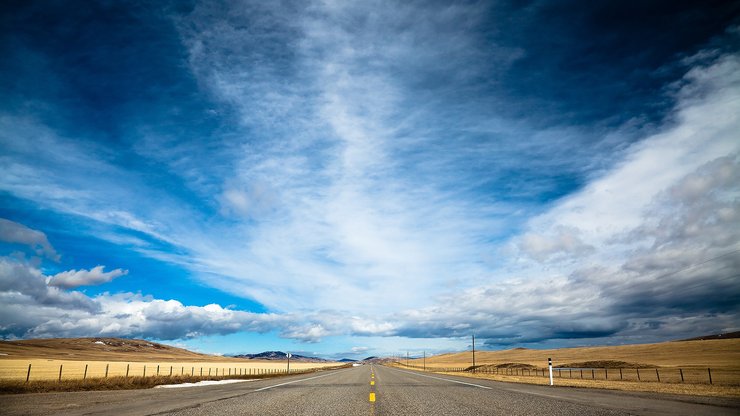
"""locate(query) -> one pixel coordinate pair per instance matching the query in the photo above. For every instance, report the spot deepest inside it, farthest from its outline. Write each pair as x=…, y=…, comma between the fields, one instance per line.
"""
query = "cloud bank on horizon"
x=373, y=169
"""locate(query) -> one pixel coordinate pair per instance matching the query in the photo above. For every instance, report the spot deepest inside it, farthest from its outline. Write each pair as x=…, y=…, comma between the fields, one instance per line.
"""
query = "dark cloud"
x=12, y=232
x=682, y=284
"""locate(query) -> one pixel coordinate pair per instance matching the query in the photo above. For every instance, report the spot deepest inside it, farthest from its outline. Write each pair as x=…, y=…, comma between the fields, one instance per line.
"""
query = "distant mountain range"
x=378, y=360
x=727, y=335
x=280, y=355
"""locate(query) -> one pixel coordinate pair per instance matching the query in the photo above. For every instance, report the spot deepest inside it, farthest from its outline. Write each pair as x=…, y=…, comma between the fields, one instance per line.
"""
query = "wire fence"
x=688, y=375
x=95, y=370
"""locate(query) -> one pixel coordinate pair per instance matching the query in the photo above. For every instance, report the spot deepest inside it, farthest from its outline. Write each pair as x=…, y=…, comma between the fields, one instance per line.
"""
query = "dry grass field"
x=100, y=349
x=719, y=354
x=92, y=357
x=49, y=369
x=673, y=360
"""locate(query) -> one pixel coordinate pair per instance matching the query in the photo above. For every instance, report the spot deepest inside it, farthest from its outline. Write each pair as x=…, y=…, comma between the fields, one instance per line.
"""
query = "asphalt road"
x=352, y=391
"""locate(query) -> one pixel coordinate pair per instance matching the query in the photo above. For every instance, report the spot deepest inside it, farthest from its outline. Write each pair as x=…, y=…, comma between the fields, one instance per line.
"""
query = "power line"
x=698, y=264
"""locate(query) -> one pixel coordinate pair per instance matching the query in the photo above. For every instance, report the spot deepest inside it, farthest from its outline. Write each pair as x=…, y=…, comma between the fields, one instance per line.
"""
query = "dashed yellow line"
x=372, y=392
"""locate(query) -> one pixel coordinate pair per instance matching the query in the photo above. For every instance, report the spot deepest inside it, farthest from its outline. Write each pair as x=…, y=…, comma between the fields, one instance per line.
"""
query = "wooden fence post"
x=106, y=370
x=681, y=371
x=157, y=370
x=638, y=374
x=709, y=371
x=127, y=367
x=170, y=371
x=144, y=370
x=620, y=373
x=28, y=375
x=606, y=374
x=657, y=375
x=60, y=372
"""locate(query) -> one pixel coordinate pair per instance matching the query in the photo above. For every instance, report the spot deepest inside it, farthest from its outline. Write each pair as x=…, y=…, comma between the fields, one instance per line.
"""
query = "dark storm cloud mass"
x=536, y=172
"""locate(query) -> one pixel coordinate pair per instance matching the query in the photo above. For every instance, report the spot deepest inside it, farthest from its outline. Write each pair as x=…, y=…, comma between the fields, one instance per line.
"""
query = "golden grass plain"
x=121, y=356
x=102, y=349
x=692, y=357
x=46, y=369
x=719, y=354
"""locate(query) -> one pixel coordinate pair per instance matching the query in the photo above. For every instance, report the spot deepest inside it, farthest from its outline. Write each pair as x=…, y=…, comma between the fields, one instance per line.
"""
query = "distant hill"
x=111, y=349
x=280, y=355
x=727, y=335
x=347, y=360
x=720, y=352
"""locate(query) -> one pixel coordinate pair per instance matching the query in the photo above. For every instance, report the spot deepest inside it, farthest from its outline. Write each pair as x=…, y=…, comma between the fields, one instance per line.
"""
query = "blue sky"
x=364, y=178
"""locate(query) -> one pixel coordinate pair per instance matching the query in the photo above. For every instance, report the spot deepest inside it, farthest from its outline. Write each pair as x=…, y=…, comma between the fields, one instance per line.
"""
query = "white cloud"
x=75, y=278
x=565, y=241
x=617, y=203
x=662, y=234
x=31, y=308
x=345, y=220
x=348, y=191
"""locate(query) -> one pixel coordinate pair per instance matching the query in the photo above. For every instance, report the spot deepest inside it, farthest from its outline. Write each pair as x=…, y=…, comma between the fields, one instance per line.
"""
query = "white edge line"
x=294, y=381
x=446, y=379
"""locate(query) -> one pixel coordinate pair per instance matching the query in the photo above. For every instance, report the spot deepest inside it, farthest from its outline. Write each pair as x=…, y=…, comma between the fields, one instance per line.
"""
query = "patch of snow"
x=2, y=353
x=199, y=384
x=99, y=342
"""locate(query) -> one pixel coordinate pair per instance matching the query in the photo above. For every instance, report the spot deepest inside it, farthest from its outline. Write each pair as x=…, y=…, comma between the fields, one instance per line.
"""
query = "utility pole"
x=474, y=353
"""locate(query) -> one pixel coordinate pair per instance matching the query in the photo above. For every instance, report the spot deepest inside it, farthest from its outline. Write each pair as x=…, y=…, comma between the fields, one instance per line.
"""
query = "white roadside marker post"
x=549, y=365
x=288, y=355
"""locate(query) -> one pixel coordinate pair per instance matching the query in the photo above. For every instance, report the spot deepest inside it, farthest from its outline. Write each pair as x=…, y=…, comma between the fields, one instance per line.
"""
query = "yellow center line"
x=372, y=383
x=372, y=397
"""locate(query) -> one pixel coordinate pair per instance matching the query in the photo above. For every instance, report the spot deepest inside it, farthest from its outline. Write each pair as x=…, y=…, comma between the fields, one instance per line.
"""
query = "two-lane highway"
x=366, y=390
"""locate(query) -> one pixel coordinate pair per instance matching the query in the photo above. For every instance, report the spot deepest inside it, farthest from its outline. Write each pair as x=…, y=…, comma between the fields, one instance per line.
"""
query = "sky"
x=346, y=179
